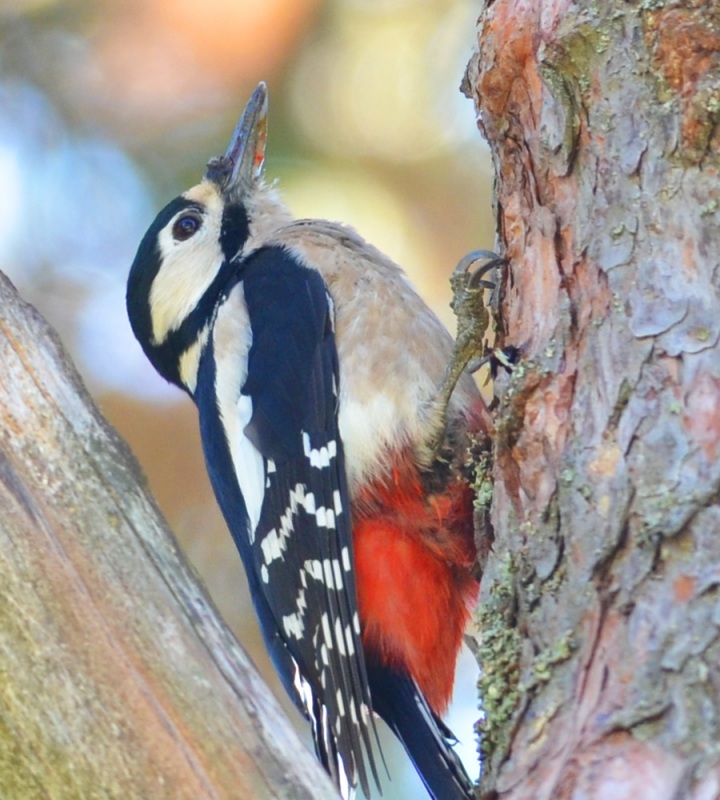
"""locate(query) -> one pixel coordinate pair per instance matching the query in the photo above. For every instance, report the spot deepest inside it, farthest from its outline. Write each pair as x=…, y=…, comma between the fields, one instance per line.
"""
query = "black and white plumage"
x=228, y=306
x=269, y=429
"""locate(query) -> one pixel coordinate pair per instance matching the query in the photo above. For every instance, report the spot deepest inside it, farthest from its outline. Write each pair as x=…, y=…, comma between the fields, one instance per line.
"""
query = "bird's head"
x=185, y=259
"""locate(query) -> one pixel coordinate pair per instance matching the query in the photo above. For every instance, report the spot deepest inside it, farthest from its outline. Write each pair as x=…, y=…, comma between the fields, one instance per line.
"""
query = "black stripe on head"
x=234, y=230
x=143, y=271
x=165, y=357
x=179, y=340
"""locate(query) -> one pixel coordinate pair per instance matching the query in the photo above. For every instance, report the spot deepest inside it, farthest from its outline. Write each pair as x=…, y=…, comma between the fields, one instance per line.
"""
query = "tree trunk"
x=600, y=602
x=118, y=678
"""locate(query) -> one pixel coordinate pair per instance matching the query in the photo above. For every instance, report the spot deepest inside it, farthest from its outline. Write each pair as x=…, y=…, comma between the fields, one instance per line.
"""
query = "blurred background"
x=110, y=108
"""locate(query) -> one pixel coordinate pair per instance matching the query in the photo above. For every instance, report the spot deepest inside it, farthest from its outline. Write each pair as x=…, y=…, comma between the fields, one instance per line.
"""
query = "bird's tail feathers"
x=427, y=740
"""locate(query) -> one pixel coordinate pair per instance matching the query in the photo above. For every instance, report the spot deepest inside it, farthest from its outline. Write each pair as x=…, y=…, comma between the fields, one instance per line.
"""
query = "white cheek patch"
x=187, y=267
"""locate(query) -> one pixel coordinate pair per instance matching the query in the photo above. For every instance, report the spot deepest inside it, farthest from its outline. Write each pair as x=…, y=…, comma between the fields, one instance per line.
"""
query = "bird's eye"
x=186, y=226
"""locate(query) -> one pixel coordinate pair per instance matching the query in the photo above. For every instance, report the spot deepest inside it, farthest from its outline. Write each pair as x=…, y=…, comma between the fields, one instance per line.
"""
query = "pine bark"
x=601, y=598
x=119, y=680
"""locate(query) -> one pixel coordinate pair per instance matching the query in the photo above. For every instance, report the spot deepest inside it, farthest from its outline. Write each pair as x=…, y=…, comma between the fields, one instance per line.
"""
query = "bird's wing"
x=268, y=385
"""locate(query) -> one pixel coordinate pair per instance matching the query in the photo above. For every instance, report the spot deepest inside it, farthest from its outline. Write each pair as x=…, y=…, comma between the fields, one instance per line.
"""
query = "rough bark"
x=118, y=678
x=600, y=601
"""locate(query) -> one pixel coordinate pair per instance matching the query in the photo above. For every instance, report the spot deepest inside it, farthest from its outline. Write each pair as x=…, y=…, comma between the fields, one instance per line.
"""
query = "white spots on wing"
x=337, y=502
x=319, y=457
x=326, y=572
x=337, y=574
x=325, y=518
x=344, y=639
x=310, y=503
x=339, y=638
x=304, y=691
x=328, y=575
x=321, y=518
x=345, y=554
x=270, y=469
x=327, y=633
x=322, y=729
x=356, y=623
x=297, y=499
x=313, y=568
x=349, y=641
x=294, y=624
x=273, y=544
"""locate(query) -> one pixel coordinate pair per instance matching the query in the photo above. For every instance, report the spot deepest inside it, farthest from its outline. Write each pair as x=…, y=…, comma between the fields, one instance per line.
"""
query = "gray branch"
x=119, y=679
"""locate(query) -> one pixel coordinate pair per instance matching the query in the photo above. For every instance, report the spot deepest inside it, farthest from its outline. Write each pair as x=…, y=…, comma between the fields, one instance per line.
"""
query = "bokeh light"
x=376, y=82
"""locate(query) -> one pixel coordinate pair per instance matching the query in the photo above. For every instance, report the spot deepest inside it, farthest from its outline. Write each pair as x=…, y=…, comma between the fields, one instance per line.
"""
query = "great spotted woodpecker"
x=333, y=447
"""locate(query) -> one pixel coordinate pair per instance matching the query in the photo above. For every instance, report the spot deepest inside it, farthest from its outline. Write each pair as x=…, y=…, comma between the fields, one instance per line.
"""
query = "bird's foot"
x=468, y=282
x=470, y=351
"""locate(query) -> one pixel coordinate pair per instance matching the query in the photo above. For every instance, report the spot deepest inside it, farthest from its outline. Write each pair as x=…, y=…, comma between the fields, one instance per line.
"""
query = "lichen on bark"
x=606, y=462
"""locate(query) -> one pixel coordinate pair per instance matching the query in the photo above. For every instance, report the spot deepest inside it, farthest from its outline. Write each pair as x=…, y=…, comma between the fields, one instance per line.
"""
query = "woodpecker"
x=333, y=444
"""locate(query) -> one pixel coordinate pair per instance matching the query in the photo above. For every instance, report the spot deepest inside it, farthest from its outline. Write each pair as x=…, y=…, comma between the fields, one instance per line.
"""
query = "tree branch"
x=118, y=677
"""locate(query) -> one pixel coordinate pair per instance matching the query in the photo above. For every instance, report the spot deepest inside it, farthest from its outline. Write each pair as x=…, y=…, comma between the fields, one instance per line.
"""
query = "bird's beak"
x=236, y=171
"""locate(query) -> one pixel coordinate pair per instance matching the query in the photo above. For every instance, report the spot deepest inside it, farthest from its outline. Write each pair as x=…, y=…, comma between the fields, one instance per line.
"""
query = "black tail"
x=427, y=740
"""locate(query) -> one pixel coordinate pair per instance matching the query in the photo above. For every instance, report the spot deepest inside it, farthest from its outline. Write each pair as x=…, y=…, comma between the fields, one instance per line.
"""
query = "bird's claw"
x=472, y=280
x=490, y=261
x=470, y=351
x=473, y=316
